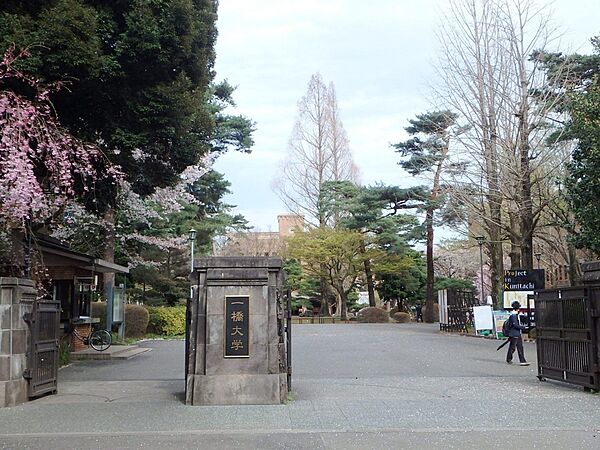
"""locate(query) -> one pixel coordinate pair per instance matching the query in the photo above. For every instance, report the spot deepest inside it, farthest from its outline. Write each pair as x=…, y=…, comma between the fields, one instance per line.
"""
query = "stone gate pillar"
x=16, y=299
x=236, y=352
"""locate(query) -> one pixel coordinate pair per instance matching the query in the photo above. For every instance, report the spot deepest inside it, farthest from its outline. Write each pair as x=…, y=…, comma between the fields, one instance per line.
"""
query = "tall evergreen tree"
x=427, y=152
x=375, y=213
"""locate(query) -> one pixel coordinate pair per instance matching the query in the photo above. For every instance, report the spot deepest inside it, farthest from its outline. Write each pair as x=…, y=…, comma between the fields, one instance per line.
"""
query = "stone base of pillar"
x=16, y=301
x=13, y=392
x=237, y=389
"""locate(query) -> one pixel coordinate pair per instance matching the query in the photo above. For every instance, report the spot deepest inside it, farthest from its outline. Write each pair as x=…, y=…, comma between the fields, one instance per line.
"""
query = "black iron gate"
x=568, y=328
x=42, y=357
x=459, y=306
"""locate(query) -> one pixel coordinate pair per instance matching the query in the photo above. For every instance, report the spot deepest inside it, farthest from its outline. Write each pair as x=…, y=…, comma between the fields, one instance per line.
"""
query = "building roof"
x=55, y=253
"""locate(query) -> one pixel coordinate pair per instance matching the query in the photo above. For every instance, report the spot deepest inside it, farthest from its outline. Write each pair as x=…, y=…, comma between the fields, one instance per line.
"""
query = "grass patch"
x=289, y=398
x=64, y=353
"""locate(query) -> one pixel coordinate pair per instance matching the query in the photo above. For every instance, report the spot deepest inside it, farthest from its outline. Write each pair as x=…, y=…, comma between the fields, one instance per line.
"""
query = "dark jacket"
x=515, y=326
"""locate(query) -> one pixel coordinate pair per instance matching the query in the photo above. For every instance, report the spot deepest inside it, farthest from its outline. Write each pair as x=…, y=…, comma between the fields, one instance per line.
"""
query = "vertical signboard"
x=237, y=327
x=521, y=283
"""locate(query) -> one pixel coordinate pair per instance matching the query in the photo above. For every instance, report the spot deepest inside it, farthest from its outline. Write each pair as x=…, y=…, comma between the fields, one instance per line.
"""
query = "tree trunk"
x=344, y=305
x=574, y=268
x=496, y=267
x=370, y=283
x=526, y=206
x=324, y=297
x=429, y=300
x=435, y=190
x=515, y=252
x=493, y=223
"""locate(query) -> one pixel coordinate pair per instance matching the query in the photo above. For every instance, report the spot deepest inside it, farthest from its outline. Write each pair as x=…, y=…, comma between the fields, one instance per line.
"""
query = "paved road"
x=355, y=386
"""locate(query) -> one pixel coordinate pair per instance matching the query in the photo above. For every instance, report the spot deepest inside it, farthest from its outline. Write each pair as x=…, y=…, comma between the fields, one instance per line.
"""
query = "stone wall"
x=16, y=299
x=260, y=377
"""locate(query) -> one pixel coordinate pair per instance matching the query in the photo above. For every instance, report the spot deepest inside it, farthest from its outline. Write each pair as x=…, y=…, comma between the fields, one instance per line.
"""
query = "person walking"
x=514, y=336
x=419, y=311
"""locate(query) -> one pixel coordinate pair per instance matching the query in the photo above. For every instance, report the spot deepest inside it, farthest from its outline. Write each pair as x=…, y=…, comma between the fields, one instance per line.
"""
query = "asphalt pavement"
x=355, y=386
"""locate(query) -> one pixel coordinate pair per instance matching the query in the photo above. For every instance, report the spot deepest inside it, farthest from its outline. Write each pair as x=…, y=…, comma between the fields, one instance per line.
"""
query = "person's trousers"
x=515, y=342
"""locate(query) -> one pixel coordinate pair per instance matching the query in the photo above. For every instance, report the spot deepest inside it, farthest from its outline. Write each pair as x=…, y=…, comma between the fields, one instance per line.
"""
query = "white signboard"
x=363, y=298
x=484, y=318
x=443, y=306
x=520, y=296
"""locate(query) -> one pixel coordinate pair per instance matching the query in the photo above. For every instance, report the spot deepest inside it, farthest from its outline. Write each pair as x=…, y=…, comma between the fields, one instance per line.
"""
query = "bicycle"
x=99, y=340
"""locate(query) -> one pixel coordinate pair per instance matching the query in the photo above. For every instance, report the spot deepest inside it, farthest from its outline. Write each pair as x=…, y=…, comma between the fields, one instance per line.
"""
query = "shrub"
x=136, y=321
x=373, y=315
x=401, y=317
x=436, y=315
x=167, y=320
x=64, y=351
x=532, y=334
x=136, y=318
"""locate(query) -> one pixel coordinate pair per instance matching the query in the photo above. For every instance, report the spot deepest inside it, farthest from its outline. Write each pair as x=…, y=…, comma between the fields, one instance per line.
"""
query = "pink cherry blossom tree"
x=42, y=166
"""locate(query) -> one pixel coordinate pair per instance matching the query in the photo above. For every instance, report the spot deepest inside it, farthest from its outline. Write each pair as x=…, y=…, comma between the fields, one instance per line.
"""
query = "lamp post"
x=538, y=256
x=480, y=240
x=192, y=239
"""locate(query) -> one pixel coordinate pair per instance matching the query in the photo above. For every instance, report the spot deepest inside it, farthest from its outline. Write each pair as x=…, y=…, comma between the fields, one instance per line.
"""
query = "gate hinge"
x=27, y=317
x=27, y=374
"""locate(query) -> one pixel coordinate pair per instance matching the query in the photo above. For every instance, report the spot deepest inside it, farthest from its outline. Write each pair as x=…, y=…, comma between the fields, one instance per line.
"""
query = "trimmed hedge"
x=136, y=318
x=401, y=317
x=395, y=310
x=167, y=320
x=372, y=314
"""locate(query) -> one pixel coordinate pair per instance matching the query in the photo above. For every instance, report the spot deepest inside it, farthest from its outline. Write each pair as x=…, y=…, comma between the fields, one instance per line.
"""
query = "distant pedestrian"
x=419, y=312
x=514, y=335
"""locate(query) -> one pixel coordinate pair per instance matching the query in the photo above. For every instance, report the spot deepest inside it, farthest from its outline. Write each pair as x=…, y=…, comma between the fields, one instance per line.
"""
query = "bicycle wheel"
x=100, y=340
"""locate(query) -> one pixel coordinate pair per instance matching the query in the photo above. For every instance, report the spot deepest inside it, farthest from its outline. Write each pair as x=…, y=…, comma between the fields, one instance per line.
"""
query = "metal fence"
x=320, y=320
x=568, y=331
x=43, y=358
x=458, y=314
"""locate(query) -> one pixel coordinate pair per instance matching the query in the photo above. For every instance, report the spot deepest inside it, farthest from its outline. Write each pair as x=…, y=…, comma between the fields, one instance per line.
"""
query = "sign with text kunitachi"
x=524, y=279
x=520, y=284
x=237, y=327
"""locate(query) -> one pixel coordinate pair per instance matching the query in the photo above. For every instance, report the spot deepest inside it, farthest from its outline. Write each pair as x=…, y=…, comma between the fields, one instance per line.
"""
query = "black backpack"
x=506, y=326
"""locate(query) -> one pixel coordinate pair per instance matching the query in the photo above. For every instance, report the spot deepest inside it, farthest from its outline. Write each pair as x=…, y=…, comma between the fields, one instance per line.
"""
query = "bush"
x=136, y=318
x=401, y=317
x=136, y=321
x=436, y=314
x=373, y=315
x=167, y=320
x=532, y=334
x=64, y=351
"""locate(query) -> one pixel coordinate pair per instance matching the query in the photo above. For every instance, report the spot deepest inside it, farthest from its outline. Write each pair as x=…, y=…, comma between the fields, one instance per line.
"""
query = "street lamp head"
x=538, y=256
x=192, y=234
x=480, y=239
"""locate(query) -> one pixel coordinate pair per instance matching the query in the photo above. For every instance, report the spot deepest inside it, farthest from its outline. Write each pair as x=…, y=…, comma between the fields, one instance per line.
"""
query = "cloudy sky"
x=380, y=56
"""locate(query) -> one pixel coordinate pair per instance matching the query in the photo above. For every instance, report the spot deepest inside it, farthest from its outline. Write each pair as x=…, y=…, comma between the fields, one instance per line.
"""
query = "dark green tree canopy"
x=581, y=76
x=138, y=74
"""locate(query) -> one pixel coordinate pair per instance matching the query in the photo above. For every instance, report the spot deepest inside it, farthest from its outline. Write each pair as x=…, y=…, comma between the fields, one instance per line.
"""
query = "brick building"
x=261, y=243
